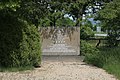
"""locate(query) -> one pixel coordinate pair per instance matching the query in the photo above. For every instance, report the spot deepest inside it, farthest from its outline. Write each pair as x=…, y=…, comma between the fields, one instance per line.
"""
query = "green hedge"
x=19, y=43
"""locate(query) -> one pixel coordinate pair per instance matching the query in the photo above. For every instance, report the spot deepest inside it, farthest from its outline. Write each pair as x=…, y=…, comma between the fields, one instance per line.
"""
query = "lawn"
x=111, y=60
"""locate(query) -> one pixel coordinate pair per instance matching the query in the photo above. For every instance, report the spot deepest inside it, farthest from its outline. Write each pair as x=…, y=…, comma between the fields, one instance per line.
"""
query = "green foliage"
x=29, y=10
x=45, y=22
x=62, y=22
x=65, y=22
x=112, y=39
x=58, y=8
x=113, y=8
x=76, y=10
x=87, y=49
x=56, y=11
x=106, y=58
x=113, y=69
x=91, y=53
x=33, y=10
x=89, y=24
x=86, y=32
x=19, y=39
x=53, y=17
x=111, y=21
x=19, y=43
x=94, y=60
x=12, y=4
x=111, y=58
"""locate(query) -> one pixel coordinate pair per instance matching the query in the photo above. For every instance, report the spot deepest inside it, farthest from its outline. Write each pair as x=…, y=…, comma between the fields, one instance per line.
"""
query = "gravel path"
x=60, y=68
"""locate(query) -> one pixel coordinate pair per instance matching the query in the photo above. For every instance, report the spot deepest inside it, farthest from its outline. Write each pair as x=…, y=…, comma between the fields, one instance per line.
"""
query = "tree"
x=79, y=7
x=29, y=10
x=77, y=10
x=19, y=38
x=65, y=21
x=111, y=21
x=56, y=11
x=86, y=32
x=87, y=23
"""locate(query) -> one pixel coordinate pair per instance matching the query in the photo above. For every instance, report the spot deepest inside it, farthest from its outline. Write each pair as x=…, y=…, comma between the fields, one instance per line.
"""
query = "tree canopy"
x=29, y=10
x=110, y=18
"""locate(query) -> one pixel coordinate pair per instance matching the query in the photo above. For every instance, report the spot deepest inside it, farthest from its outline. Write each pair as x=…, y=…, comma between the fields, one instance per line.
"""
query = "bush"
x=19, y=43
x=86, y=48
x=91, y=53
x=94, y=59
x=86, y=32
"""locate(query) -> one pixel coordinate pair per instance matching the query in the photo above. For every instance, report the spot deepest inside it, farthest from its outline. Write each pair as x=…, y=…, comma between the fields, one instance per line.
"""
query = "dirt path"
x=60, y=68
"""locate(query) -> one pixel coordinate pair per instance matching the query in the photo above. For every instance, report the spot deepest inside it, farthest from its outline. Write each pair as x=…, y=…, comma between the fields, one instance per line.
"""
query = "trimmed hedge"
x=19, y=43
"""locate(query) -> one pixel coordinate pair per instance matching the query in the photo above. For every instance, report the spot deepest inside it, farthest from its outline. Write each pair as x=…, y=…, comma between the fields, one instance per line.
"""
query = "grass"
x=108, y=59
x=111, y=60
x=15, y=69
x=113, y=69
x=94, y=42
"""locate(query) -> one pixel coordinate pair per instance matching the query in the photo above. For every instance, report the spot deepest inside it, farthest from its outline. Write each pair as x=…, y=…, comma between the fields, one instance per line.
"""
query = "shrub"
x=19, y=43
x=95, y=60
x=91, y=54
x=86, y=32
x=86, y=48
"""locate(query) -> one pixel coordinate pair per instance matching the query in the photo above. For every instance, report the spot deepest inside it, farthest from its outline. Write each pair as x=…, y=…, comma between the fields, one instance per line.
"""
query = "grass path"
x=60, y=68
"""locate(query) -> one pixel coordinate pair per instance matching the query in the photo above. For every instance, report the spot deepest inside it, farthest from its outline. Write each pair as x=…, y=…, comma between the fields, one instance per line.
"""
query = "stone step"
x=60, y=53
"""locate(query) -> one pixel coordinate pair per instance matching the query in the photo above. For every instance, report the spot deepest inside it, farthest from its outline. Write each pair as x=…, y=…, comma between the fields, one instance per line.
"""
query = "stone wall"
x=65, y=47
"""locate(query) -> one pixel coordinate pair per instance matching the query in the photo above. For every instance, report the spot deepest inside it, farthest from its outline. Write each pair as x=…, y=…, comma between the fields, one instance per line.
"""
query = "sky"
x=66, y=15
